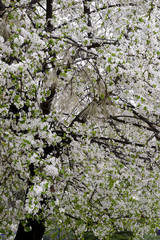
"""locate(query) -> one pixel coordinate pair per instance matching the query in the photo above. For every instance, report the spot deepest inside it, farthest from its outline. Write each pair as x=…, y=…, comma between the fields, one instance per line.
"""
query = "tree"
x=79, y=123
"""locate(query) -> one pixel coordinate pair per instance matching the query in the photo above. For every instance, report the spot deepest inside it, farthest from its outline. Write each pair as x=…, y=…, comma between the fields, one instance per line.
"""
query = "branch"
x=33, y=2
x=93, y=11
x=79, y=219
x=152, y=126
x=116, y=118
x=97, y=44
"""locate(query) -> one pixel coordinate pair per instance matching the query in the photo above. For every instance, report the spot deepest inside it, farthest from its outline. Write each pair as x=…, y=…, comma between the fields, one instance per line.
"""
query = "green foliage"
x=59, y=234
x=89, y=236
x=151, y=237
x=123, y=235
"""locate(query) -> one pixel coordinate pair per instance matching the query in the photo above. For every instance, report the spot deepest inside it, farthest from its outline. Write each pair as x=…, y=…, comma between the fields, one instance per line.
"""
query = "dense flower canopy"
x=80, y=115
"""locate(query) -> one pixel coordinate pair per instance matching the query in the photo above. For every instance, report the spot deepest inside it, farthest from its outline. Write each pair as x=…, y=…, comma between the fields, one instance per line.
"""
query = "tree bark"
x=49, y=14
x=2, y=9
x=36, y=233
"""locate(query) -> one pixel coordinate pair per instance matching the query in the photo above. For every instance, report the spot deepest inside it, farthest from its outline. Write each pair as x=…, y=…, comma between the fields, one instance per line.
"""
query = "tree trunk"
x=36, y=233
x=49, y=14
